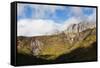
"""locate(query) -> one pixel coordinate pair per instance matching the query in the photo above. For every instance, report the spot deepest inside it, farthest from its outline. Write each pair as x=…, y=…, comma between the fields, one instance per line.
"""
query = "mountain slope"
x=53, y=46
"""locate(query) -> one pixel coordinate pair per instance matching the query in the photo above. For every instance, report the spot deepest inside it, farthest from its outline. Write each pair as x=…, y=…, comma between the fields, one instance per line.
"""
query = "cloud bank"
x=36, y=27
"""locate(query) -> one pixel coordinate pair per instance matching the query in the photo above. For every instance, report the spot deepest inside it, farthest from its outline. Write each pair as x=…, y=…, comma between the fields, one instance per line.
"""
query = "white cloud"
x=36, y=27
x=70, y=21
x=92, y=17
x=40, y=10
x=77, y=11
x=20, y=8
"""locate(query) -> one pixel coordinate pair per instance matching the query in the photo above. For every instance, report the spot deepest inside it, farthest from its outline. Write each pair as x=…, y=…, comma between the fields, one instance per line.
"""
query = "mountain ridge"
x=55, y=45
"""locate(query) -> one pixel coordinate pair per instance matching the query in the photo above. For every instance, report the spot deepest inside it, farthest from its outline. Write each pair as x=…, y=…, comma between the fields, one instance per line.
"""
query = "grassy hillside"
x=54, y=46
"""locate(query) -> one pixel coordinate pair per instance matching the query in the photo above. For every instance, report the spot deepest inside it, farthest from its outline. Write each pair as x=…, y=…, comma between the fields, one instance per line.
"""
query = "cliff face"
x=79, y=27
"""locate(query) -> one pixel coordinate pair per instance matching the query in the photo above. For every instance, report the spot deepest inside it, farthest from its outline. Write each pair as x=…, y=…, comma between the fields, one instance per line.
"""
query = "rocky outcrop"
x=36, y=46
x=79, y=27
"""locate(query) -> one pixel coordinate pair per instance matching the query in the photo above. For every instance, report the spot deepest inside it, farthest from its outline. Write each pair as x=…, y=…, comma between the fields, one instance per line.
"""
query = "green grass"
x=55, y=45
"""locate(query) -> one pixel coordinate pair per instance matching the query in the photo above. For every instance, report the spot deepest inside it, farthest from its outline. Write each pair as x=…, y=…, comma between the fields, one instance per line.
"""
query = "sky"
x=35, y=19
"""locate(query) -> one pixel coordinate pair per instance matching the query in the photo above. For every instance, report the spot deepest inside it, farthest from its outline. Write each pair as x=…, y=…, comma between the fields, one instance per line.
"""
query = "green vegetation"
x=56, y=45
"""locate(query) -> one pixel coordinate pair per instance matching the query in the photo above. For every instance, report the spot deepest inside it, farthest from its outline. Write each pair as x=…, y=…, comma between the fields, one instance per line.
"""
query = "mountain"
x=50, y=47
x=72, y=42
x=79, y=27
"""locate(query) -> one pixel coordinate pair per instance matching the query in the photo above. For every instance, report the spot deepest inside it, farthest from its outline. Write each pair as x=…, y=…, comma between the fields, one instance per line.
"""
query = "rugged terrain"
x=77, y=43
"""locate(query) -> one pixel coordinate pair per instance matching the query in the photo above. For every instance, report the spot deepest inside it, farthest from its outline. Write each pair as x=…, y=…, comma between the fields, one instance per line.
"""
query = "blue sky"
x=59, y=15
x=36, y=19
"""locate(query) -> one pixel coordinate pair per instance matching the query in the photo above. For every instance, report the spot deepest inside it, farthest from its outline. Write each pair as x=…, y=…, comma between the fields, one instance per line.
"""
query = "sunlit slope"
x=52, y=46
